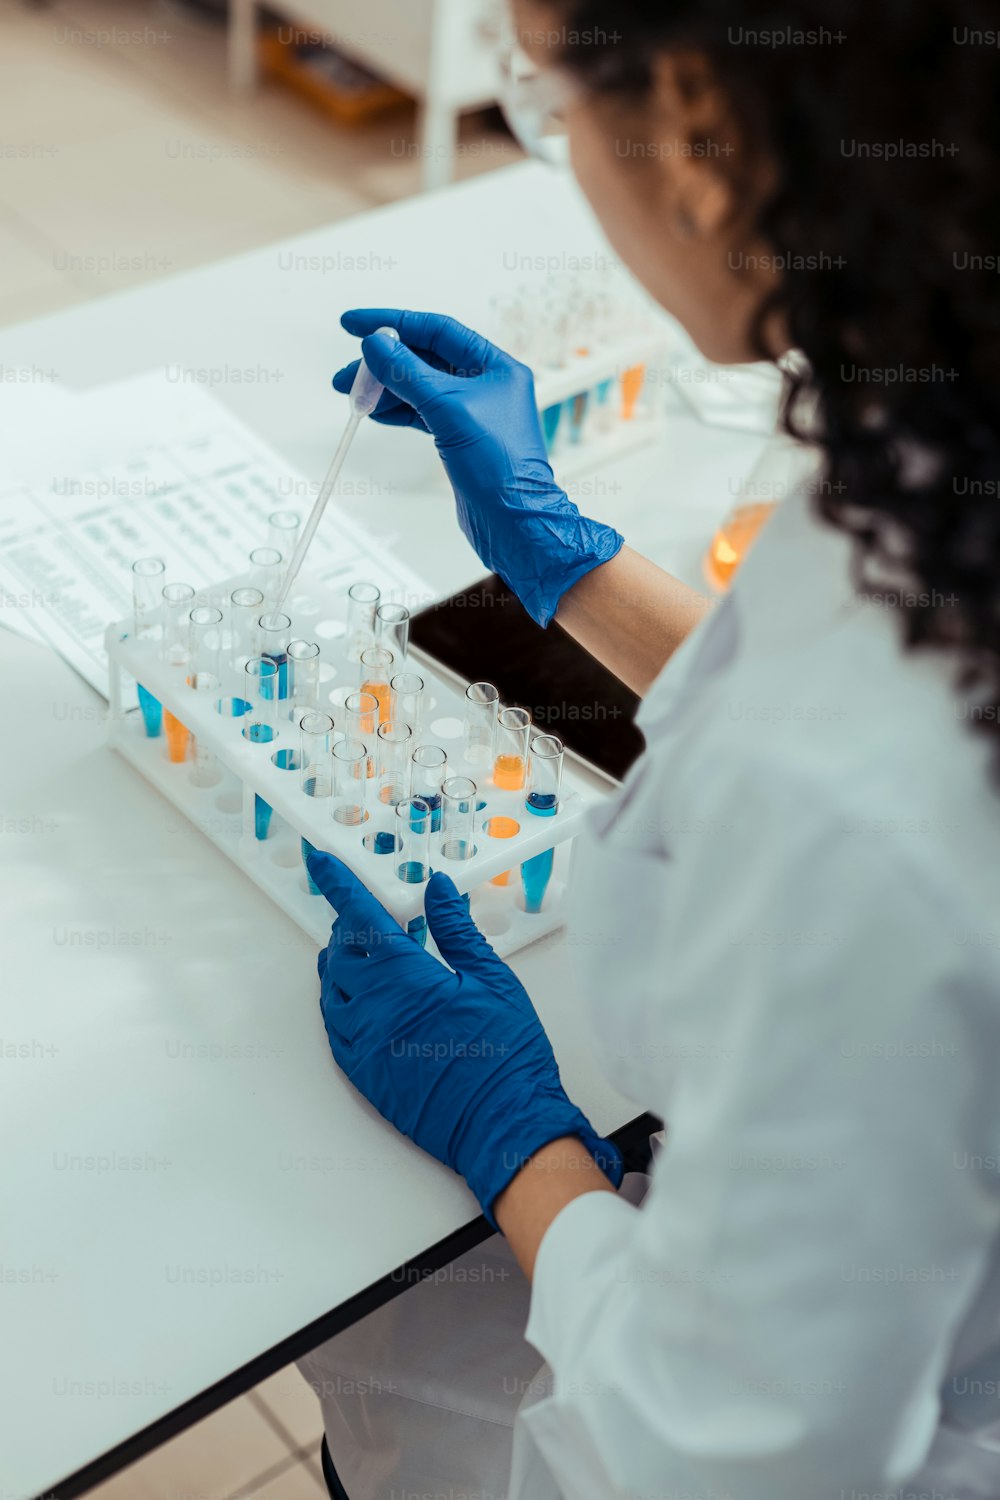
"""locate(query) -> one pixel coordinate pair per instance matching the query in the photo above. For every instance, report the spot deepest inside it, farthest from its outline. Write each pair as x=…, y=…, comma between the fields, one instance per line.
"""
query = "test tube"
x=511, y=749
x=459, y=796
x=360, y=721
x=261, y=692
x=245, y=609
x=545, y=763
x=414, y=821
x=266, y=572
x=481, y=703
x=393, y=748
x=392, y=629
x=303, y=678
x=376, y=673
x=147, y=581
x=274, y=632
x=177, y=599
x=205, y=676
x=350, y=781
x=428, y=769
x=362, y=602
x=205, y=647
x=283, y=531
x=316, y=730
x=407, y=698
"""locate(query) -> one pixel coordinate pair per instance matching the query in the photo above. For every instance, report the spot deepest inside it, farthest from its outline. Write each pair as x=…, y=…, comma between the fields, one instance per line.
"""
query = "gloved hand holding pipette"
x=478, y=403
x=458, y=1061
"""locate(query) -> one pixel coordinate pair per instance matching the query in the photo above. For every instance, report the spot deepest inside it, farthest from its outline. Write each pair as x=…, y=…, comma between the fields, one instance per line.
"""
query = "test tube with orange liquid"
x=177, y=599
x=733, y=540
x=509, y=769
x=376, y=676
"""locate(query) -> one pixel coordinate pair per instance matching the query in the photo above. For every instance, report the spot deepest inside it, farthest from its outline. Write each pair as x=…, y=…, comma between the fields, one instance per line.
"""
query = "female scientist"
x=788, y=919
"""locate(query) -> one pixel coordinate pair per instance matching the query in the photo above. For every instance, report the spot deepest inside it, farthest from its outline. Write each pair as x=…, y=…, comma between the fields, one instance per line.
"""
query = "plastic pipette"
x=364, y=398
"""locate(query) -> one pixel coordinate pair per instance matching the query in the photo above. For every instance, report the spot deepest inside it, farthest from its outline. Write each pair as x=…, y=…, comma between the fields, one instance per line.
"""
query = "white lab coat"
x=787, y=930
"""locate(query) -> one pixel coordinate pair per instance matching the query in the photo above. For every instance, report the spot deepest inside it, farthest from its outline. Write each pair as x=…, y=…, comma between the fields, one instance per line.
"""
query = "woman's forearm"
x=631, y=615
x=555, y=1175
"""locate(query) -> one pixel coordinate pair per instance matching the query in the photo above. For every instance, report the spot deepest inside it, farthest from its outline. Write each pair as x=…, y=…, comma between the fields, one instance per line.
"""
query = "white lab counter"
x=185, y=1177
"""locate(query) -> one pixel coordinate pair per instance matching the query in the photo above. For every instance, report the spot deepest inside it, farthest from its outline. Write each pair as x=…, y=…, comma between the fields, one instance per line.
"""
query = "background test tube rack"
x=225, y=810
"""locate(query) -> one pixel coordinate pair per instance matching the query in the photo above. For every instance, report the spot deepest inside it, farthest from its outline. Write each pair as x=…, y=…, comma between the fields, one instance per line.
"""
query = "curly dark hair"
x=882, y=124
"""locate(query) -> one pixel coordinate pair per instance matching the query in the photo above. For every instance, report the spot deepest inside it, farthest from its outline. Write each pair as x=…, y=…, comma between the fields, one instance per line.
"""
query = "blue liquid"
x=433, y=800
x=603, y=391
x=152, y=712
x=542, y=804
x=535, y=876
x=550, y=424
x=384, y=843
x=417, y=930
x=259, y=734
x=412, y=872
x=232, y=708
x=280, y=660
x=577, y=415
x=261, y=817
x=308, y=849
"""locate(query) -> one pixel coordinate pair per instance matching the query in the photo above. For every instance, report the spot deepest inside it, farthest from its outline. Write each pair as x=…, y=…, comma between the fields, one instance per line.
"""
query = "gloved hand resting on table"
x=479, y=406
x=458, y=1061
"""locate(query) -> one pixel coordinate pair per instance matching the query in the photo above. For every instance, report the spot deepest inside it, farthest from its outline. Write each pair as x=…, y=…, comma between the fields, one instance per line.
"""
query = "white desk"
x=155, y=1008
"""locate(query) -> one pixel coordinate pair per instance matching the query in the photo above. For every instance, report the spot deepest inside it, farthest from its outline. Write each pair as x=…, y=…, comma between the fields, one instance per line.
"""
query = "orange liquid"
x=733, y=541
x=382, y=693
x=503, y=828
x=631, y=390
x=508, y=775
x=178, y=737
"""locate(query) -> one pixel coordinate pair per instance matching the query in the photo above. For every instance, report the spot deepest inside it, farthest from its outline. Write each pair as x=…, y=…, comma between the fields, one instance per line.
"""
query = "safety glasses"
x=535, y=103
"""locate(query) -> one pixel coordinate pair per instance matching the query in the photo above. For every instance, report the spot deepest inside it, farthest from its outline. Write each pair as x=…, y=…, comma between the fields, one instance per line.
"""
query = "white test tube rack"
x=225, y=810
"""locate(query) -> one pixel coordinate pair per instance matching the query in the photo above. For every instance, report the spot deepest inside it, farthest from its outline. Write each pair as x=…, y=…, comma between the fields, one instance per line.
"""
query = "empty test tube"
x=362, y=602
x=376, y=674
x=283, y=531
x=147, y=581
x=407, y=699
x=392, y=630
x=266, y=573
x=274, y=632
x=459, y=795
x=428, y=769
x=261, y=722
x=511, y=749
x=303, y=678
x=245, y=609
x=316, y=730
x=205, y=676
x=350, y=781
x=481, y=704
x=393, y=749
x=545, y=763
x=177, y=599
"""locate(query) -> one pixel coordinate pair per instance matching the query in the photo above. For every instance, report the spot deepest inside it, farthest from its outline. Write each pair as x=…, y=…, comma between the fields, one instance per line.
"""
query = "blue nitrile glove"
x=458, y=1061
x=479, y=405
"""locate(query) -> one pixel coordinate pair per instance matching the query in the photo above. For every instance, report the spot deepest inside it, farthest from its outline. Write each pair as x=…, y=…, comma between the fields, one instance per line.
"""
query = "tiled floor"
x=123, y=158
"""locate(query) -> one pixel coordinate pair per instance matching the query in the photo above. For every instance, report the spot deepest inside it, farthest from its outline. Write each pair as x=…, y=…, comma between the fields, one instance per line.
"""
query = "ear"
x=699, y=145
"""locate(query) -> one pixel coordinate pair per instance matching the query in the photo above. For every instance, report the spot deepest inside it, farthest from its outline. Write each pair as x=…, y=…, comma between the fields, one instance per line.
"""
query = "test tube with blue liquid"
x=274, y=634
x=316, y=730
x=147, y=581
x=428, y=769
x=544, y=781
x=414, y=820
x=261, y=726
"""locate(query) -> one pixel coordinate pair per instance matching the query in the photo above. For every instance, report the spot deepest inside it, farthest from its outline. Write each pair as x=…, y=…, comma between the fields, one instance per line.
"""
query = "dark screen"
x=484, y=635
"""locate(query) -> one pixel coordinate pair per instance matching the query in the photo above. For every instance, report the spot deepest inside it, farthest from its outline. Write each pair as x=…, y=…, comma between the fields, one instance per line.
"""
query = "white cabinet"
x=442, y=51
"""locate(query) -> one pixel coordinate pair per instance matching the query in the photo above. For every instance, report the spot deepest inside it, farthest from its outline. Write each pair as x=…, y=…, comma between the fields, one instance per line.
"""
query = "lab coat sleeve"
x=773, y=1323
